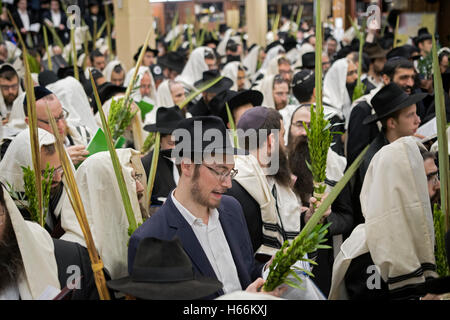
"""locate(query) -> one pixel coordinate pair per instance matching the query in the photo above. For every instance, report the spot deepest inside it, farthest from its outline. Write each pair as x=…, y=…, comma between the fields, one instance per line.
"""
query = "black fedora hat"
x=404, y=51
x=166, y=120
x=309, y=60
x=374, y=51
x=109, y=90
x=240, y=98
x=422, y=35
x=205, y=135
x=163, y=271
x=172, y=60
x=209, y=75
x=390, y=99
x=136, y=55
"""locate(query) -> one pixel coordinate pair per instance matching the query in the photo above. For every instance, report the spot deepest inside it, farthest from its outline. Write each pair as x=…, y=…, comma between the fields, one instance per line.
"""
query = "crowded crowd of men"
x=216, y=216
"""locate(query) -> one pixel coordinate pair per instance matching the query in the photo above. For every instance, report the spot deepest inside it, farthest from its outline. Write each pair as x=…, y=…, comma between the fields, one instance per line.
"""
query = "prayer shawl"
x=163, y=95
x=251, y=60
x=252, y=178
x=266, y=88
x=221, y=47
x=137, y=94
x=37, y=251
x=335, y=94
x=73, y=98
x=3, y=108
x=110, y=67
x=194, y=68
x=19, y=155
x=398, y=231
x=231, y=71
x=104, y=208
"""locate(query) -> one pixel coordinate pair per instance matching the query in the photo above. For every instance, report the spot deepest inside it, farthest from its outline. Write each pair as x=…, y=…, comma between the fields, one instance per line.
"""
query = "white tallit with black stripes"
x=398, y=230
x=279, y=224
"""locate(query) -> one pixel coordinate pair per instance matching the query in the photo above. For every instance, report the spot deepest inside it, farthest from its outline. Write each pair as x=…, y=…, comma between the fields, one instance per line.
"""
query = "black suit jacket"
x=61, y=33
x=69, y=256
x=358, y=134
x=164, y=181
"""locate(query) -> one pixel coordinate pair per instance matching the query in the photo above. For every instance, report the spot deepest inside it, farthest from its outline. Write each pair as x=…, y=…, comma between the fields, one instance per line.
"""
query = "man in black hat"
x=149, y=56
x=167, y=174
x=238, y=102
x=172, y=64
x=309, y=60
x=211, y=226
x=204, y=106
x=424, y=41
x=396, y=110
x=397, y=70
x=377, y=58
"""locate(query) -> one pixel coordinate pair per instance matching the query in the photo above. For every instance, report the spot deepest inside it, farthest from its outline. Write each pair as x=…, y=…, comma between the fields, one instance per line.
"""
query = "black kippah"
x=39, y=93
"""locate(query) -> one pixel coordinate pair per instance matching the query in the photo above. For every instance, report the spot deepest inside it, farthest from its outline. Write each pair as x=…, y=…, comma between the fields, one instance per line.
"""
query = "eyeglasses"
x=9, y=87
x=58, y=170
x=138, y=177
x=223, y=175
x=433, y=177
x=64, y=115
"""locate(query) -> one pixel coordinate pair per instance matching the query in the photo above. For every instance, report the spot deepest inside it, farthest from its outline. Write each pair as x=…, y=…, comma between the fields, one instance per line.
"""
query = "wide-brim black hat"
x=207, y=136
x=136, y=55
x=241, y=98
x=109, y=90
x=154, y=277
x=172, y=60
x=390, y=99
x=309, y=60
x=209, y=75
x=167, y=120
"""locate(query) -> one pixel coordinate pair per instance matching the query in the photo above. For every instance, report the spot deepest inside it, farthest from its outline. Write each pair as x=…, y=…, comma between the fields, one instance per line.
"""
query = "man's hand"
x=77, y=153
x=256, y=287
x=311, y=209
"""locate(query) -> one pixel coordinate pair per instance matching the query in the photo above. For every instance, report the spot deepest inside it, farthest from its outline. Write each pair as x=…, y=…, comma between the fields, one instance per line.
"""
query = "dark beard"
x=351, y=88
x=298, y=155
x=231, y=58
x=11, y=265
x=283, y=175
x=436, y=199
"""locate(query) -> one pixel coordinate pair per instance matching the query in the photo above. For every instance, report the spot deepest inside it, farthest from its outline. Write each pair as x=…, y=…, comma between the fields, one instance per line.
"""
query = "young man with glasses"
x=75, y=139
x=210, y=224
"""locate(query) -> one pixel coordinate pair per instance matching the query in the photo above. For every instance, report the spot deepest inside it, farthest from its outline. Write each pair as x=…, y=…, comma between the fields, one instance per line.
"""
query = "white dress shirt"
x=215, y=245
x=25, y=19
x=56, y=19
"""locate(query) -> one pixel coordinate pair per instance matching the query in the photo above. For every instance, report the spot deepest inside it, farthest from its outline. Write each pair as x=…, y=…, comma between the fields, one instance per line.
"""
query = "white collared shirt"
x=214, y=244
x=56, y=18
x=25, y=19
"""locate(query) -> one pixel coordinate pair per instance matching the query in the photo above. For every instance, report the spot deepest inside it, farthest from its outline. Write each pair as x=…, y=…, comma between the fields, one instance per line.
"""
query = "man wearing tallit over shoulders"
x=104, y=208
x=391, y=255
x=17, y=156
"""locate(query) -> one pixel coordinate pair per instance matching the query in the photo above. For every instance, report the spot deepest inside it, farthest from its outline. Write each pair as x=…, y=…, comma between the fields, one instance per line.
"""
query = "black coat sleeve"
x=252, y=213
x=358, y=135
x=341, y=216
x=72, y=258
